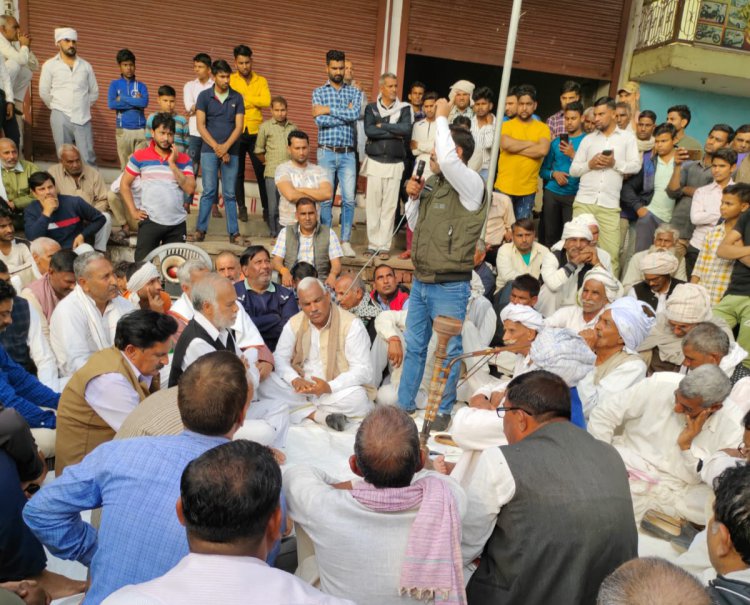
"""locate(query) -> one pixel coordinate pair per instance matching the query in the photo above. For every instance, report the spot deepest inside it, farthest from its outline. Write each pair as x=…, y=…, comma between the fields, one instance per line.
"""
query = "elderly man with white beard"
x=665, y=238
x=666, y=426
x=599, y=288
x=618, y=332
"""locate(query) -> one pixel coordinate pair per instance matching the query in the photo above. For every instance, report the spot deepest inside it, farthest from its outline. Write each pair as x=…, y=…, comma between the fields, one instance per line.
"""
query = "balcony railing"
x=694, y=21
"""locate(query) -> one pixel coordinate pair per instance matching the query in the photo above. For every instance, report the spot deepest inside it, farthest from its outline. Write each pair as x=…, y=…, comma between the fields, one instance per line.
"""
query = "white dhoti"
x=266, y=422
x=352, y=401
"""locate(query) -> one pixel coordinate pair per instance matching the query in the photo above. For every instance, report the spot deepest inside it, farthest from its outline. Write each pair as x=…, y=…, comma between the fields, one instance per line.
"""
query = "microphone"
x=420, y=169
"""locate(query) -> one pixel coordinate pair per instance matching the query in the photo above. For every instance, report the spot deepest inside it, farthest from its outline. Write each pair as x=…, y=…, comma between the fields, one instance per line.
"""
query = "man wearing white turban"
x=67, y=86
x=563, y=270
x=460, y=95
x=657, y=286
x=621, y=328
x=145, y=288
x=688, y=305
x=599, y=288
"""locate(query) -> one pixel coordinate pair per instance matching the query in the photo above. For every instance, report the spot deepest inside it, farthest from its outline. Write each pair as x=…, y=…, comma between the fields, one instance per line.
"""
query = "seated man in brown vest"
x=310, y=241
x=215, y=303
x=323, y=365
x=100, y=395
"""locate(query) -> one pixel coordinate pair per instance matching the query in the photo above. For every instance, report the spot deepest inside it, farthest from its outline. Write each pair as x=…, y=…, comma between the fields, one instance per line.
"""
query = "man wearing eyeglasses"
x=553, y=499
x=670, y=425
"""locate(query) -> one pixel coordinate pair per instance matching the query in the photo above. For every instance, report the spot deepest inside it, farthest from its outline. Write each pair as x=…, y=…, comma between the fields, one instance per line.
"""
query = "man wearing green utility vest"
x=446, y=214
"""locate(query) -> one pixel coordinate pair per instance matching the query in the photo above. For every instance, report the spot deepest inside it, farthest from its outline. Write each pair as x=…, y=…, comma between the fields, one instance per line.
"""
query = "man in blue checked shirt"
x=128, y=97
x=336, y=109
x=137, y=482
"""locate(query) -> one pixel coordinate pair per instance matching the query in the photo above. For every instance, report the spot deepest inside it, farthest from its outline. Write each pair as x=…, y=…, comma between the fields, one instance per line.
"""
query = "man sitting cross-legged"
x=229, y=505
x=137, y=482
x=322, y=361
x=100, y=395
x=396, y=530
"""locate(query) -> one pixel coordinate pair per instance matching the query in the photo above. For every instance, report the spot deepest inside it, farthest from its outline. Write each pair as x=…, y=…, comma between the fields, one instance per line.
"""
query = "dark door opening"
x=438, y=74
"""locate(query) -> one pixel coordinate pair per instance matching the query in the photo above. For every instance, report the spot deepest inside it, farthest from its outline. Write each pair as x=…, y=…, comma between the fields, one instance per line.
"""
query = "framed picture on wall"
x=713, y=11
x=708, y=34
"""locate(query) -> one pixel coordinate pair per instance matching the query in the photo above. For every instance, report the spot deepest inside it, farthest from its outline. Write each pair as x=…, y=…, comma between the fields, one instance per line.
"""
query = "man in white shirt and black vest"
x=446, y=214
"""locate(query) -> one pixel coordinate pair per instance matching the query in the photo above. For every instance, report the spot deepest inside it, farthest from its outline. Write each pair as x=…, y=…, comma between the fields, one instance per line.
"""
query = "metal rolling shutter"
x=289, y=42
x=555, y=37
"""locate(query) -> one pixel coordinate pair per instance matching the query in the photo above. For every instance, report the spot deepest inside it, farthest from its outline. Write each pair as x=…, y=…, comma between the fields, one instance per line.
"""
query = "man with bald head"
x=351, y=295
x=15, y=176
x=322, y=361
x=365, y=555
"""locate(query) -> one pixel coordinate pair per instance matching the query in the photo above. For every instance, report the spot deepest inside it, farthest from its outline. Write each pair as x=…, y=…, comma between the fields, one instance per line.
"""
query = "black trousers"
x=691, y=257
x=152, y=235
x=247, y=147
x=556, y=211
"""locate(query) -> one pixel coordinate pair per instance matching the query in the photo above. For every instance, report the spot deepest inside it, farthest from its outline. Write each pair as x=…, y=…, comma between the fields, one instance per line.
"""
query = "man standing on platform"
x=449, y=210
x=255, y=92
x=336, y=109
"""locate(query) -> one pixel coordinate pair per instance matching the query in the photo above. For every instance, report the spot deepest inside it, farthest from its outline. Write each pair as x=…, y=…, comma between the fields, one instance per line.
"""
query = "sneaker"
x=336, y=421
x=347, y=249
x=441, y=423
x=242, y=214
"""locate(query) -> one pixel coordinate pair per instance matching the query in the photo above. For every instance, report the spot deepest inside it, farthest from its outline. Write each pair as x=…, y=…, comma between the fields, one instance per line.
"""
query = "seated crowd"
x=611, y=407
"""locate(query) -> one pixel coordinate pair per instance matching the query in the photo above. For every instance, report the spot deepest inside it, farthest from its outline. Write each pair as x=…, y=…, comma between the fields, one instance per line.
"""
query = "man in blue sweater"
x=559, y=187
x=22, y=391
x=67, y=219
x=128, y=98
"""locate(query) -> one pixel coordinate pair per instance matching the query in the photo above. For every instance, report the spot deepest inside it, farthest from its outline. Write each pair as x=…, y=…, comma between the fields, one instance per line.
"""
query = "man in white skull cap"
x=67, y=85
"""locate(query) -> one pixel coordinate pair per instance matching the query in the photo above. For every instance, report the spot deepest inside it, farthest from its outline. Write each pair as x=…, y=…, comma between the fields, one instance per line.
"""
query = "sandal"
x=239, y=240
x=198, y=236
x=405, y=255
x=384, y=255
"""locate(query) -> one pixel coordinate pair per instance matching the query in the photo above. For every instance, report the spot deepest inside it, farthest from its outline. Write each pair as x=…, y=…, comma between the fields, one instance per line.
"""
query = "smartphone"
x=607, y=152
x=565, y=138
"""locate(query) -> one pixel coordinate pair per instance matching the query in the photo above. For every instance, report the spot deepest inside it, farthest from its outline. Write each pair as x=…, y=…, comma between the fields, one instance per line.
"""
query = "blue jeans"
x=342, y=170
x=210, y=165
x=523, y=205
x=426, y=302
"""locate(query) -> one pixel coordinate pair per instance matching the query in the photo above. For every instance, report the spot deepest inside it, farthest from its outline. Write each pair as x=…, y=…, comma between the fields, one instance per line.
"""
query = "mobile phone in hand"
x=565, y=138
x=607, y=152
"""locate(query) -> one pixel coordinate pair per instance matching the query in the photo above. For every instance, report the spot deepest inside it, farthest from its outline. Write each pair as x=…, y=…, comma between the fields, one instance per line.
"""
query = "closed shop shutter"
x=557, y=37
x=289, y=42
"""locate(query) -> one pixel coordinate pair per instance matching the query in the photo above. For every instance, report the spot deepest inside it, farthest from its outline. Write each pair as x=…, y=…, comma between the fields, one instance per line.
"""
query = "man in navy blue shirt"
x=128, y=97
x=269, y=305
x=220, y=112
x=67, y=219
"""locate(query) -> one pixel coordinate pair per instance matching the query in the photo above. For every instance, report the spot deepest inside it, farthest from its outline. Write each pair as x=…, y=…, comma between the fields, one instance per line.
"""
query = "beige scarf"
x=611, y=364
x=302, y=344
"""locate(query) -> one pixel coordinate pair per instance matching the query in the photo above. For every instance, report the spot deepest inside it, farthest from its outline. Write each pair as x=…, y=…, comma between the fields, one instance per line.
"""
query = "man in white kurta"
x=84, y=321
x=670, y=424
x=322, y=361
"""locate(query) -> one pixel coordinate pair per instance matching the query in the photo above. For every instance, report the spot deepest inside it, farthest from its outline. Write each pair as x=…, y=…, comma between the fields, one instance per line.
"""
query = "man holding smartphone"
x=604, y=157
x=165, y=176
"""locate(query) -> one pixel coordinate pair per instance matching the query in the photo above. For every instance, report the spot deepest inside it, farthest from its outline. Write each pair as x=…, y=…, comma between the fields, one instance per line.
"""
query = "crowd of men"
x=619, y=402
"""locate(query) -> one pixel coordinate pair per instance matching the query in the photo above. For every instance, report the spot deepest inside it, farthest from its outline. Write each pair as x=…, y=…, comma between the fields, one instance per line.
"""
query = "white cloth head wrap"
x=586, y=219
x=463, y=86
x=65, y=33
x=564, y=353
x=689, y=304
x=523, y=314
x=83, y=249
x=629, y=315
x=139, y=279
x=612, y=287
x=659, y=262
x=575, y=228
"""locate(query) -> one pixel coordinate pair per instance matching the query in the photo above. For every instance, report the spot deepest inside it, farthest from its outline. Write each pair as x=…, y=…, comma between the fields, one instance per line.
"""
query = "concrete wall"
x=707, y=109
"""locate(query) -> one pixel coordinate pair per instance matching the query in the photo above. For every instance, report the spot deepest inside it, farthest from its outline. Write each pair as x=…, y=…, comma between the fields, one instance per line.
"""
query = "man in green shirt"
x=15, y=175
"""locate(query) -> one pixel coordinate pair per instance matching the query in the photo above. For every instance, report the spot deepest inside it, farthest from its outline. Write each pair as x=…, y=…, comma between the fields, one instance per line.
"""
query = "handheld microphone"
x=420, y=169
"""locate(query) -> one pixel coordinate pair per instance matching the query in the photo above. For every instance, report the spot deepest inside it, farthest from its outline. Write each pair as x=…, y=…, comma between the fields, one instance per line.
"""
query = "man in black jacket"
x=387, y=126
x=728, y=536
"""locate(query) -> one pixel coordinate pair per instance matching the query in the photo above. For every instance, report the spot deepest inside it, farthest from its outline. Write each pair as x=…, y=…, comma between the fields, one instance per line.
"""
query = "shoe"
x=198, y=236
x=119, y=238
x=242, y=214
x=441, y=423
x=347, y=249
x=405, y=255
x=336, y=421
x=215, y=211
x=238, y=240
